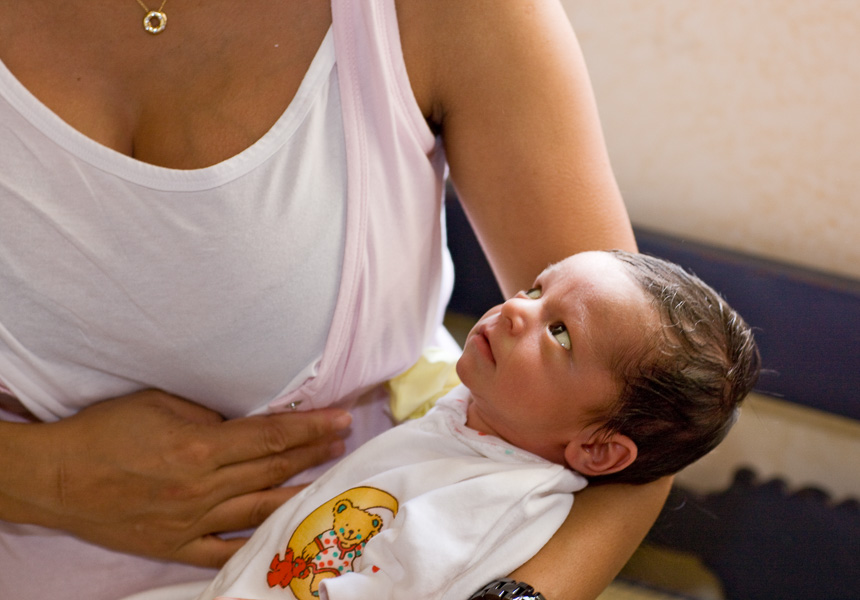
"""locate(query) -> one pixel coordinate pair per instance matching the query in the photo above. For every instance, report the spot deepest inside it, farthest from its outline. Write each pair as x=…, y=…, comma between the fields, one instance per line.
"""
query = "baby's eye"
x=559, y=332
x=533, y=293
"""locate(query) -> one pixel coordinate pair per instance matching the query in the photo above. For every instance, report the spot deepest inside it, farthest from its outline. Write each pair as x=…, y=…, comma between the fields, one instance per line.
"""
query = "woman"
x=242, y=211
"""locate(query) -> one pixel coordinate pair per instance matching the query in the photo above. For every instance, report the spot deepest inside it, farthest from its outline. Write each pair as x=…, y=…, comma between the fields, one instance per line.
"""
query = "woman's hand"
x=154, y=475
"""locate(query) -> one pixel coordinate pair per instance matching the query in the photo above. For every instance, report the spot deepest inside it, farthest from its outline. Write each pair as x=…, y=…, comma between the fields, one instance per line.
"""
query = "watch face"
x=507, y=589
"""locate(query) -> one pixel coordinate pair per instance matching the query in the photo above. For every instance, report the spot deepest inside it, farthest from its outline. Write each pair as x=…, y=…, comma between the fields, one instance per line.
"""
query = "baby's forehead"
x=556, y=269
x=594, y=268
x=580, y=258
x=557, y=266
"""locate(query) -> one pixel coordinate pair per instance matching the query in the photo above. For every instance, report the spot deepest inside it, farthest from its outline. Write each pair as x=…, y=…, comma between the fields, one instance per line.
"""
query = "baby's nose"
x=515, y=313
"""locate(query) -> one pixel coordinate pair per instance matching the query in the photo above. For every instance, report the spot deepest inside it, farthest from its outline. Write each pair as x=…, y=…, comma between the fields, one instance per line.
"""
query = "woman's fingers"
x=270, y=471
x=251, y=438
x=236, y=514
x=209, y=551
x=248, y=511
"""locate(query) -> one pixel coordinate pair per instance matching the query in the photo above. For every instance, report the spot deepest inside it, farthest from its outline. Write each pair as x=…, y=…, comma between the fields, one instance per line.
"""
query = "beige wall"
x=781, y=440
x=734, y=122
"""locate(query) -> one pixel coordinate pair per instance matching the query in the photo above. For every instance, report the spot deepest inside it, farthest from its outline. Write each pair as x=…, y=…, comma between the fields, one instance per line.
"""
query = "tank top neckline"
x=157, y=177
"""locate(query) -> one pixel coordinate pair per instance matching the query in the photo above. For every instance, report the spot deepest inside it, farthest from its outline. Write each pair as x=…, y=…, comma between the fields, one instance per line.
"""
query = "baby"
x=653, y=369
x=612, y=367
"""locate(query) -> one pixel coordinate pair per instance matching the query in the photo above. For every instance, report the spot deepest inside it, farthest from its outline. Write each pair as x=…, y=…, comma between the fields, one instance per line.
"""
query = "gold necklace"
x=155, y=20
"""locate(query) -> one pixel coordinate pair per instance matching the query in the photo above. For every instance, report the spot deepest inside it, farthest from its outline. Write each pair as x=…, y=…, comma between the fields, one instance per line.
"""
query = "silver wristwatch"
x=507, y=589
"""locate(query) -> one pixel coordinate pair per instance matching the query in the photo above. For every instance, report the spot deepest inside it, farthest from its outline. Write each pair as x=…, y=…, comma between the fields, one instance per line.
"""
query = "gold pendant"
x=155, y=21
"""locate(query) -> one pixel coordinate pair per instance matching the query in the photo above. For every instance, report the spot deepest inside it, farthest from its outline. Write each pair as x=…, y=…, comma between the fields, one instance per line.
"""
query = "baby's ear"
x=601, y=454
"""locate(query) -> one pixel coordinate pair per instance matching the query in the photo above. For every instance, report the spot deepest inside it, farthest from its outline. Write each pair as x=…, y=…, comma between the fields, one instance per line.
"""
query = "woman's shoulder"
x=448, y=44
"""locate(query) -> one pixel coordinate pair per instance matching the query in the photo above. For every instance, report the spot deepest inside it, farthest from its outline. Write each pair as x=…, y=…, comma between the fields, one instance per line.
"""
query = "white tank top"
x=117, y=275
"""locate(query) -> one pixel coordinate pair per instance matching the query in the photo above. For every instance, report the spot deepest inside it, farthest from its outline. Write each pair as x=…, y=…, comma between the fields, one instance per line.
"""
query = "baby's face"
x=539, y=366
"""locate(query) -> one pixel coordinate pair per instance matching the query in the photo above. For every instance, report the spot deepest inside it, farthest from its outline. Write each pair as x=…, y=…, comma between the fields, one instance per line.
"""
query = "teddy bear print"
x=333, y=552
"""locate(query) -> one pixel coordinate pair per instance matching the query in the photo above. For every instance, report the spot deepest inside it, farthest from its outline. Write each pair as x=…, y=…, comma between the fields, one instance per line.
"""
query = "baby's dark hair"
x=681, y=396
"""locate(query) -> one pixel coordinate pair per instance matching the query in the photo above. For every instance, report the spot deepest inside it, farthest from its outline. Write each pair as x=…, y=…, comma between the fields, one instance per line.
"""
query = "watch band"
x=507, y=589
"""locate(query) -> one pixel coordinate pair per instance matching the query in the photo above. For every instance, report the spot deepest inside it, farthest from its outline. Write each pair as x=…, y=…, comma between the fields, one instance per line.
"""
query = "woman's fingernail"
x=342, y=421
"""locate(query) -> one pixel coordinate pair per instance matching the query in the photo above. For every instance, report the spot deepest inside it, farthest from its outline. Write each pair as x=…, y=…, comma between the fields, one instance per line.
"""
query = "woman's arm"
x=603, y=529
x=155, y=475
x=506, y=84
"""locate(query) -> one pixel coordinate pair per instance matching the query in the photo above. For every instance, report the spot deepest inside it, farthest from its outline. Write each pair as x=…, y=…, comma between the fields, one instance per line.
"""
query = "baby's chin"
x=464, y=372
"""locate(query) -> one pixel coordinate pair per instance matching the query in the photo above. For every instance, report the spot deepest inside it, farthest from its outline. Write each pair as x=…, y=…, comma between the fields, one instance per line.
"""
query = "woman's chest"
x=203, y=90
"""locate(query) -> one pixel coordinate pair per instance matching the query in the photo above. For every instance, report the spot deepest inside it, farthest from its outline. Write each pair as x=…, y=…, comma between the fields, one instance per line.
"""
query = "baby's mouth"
x=484, y=345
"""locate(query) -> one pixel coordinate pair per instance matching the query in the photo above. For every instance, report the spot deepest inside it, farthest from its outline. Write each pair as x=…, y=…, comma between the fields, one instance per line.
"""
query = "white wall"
x=734, y=122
